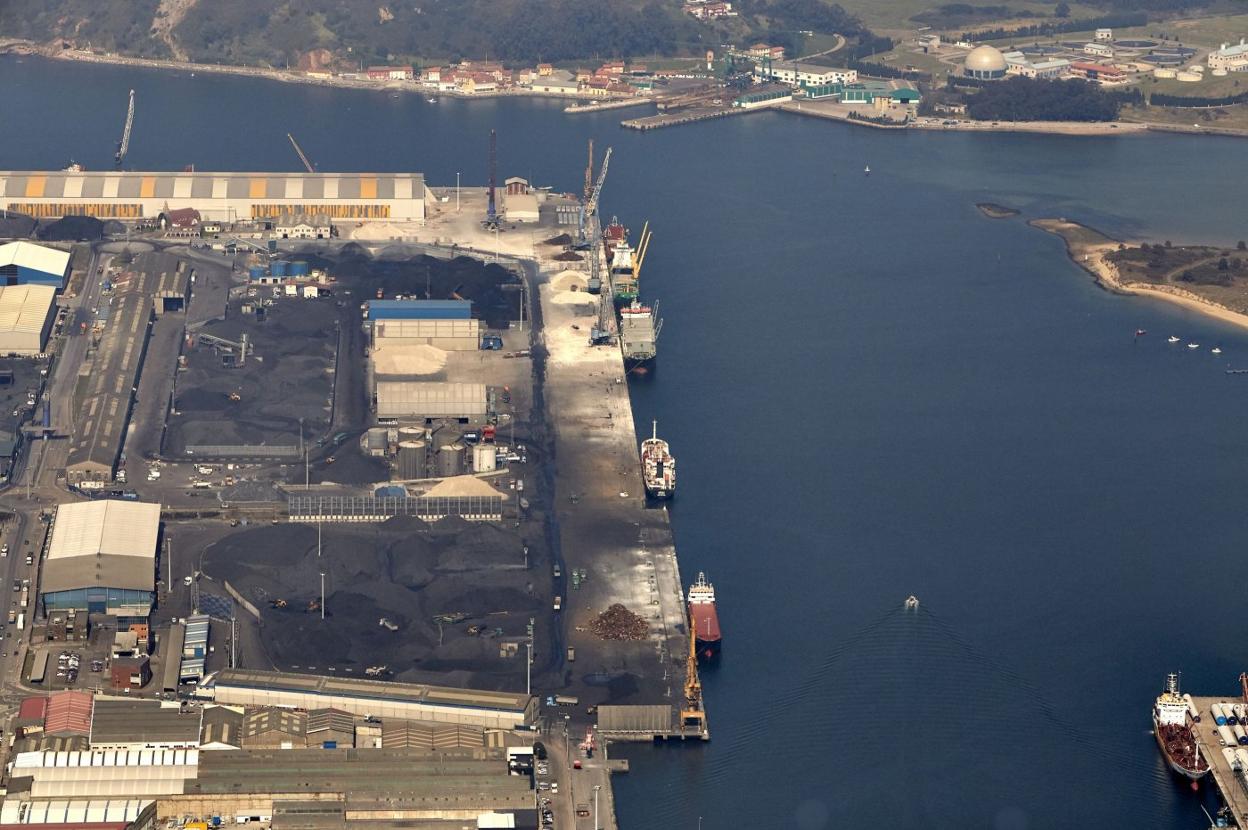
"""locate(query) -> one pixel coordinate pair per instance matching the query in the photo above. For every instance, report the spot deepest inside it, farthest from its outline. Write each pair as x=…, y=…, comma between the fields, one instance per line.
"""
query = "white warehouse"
x=26, y=314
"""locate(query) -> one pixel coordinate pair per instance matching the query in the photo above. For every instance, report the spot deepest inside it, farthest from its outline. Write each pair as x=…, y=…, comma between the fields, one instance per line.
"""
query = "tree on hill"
x=1030, y=99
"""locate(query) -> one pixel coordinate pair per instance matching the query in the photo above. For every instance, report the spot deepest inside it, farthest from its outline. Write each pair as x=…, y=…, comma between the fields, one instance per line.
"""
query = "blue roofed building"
x=419, y=310
x=23, y=263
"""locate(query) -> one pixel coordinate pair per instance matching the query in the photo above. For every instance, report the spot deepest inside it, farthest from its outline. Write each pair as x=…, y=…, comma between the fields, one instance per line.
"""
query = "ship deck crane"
x=123, y=146
x=303, y=157
x=643, y=245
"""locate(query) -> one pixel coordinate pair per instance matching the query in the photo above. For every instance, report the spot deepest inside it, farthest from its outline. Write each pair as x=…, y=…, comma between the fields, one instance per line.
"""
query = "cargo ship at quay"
x=704, y=618
x=658, y=467
x=639, y=323
x=1173, y=719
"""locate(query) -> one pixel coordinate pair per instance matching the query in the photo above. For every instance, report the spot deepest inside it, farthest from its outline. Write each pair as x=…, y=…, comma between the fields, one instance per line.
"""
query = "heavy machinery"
x=235, y=396
x=491, y=209
x=692, y=715
x=313, y=605
x=303, y=157
x=278, y=603
x=590, y=204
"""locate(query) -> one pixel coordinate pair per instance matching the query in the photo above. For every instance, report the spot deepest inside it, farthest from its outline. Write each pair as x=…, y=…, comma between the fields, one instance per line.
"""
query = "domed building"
x=984, y=63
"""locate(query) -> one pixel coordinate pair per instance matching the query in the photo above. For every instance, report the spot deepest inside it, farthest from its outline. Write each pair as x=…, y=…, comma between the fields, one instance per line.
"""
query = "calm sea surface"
x=873, y=391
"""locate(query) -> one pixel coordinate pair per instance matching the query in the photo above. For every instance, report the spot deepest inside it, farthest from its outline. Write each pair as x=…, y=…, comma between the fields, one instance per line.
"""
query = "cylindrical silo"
x=376, y=442
x=411, y=434
x=278, y=267
x=451, y=460
x=412, y=460
x=484, y=458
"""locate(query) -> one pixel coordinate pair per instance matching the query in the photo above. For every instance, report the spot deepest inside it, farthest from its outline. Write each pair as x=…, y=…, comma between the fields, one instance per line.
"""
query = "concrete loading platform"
x=1232, y=784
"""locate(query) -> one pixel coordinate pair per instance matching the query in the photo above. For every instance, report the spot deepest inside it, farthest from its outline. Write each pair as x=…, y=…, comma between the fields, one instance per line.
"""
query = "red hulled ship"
x=703, y=618
x=1174, y=733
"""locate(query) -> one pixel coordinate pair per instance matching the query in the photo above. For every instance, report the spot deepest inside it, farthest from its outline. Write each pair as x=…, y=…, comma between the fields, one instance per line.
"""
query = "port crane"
x=491, y=209
x=692, y=715
x=590, y=205
x=303, y=157
x=123, y=146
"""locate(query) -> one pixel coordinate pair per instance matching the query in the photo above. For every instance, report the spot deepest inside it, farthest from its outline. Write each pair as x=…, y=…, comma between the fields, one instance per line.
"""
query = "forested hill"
x=278, y=32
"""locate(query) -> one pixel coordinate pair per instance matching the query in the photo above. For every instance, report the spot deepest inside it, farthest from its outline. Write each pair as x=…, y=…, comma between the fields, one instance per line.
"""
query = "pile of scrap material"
x=561, y=239
x=618, y=623
x=568, y=256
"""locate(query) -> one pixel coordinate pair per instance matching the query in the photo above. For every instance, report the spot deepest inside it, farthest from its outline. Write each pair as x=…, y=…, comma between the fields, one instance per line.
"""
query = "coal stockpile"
x=286, y=376
x=396, y=271
x=409, y=596
x=16, y=225
x=73, y=229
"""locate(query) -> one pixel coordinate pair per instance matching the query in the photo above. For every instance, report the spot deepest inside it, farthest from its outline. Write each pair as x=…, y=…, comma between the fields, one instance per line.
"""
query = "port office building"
x=373, y=698
x=102, y=558
x=219, y=196
x=23, y=263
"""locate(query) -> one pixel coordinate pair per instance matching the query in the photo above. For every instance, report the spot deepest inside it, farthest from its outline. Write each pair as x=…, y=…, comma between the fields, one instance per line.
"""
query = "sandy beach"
x=1088, y=248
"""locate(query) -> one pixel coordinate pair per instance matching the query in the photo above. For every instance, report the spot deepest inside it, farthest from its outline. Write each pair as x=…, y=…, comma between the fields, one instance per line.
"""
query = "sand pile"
x=463, y=486
x=408, y=360
x=569, y=281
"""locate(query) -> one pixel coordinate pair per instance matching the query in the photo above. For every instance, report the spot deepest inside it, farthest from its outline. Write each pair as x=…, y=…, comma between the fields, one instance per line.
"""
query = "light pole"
x=322, y=595
x=457, y=193
x=567, y=757
x=597, y=787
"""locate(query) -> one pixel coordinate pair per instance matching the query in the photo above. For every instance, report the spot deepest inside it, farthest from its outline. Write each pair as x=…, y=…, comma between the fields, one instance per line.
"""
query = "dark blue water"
x=873, y=391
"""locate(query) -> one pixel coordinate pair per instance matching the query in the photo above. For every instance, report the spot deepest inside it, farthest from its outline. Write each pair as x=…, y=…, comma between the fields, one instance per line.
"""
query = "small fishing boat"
x=867, y=170
x=1172, y=339
x=1141, y=332
x=1193, y=345
x=1216, y=350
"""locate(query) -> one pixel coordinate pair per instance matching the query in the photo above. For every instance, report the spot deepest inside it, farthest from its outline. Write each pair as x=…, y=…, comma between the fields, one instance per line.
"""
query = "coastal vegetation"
x=1028, y=99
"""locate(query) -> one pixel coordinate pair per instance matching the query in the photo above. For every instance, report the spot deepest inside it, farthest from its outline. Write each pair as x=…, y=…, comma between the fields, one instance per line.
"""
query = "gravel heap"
x=618, y=623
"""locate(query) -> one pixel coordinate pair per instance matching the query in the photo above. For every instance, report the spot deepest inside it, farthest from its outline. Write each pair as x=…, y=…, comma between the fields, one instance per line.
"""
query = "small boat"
x=1141, y=332
x=1172, y=339
x=1216, y=350
x=912, y=603
x=433, y=99
x=1193, y=345
x=867, y=170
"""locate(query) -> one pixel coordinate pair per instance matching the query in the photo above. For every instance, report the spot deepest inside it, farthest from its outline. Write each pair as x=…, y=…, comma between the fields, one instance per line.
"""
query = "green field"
x=892, y=17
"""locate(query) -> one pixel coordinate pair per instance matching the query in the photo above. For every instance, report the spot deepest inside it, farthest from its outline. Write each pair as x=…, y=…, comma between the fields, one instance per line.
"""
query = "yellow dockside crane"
x=693, y=716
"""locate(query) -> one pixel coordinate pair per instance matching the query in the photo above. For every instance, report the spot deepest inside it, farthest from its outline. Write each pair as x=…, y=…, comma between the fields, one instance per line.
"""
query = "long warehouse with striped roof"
x=222, y=196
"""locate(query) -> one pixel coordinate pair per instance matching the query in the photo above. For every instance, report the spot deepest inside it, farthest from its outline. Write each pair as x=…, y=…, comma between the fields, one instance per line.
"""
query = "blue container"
x=390, y=491
x=299, y=269
x=272, y=246
x=1220, y=720
x=216, y=821
x=329, y=745
x=278, y=267
x=256, y=272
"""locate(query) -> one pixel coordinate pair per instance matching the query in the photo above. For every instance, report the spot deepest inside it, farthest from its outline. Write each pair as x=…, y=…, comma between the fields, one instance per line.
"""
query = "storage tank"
x=1231, y=754
x=278, y=267
x=1228, y=712
x=1241, y=737
x=256, y=272
x=1163, y=73
x=1188, y=77
x=451, y=460
x=412, y=464
x=411, y=434
x=298, y=269
x=1227, y=736
x=1241, y=757
x=1219, y=73
x=1219, y=717
x=484, y=458
x=1191, y=707
x=376, y=441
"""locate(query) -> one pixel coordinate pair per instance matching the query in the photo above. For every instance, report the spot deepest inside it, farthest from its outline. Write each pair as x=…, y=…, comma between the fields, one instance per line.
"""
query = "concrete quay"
x=1231, y=784
x=689, y=116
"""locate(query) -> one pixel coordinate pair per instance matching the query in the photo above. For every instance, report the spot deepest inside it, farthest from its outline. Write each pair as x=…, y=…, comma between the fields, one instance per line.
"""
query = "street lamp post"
x=597, y=787
x=322, y=595
x=457, y=193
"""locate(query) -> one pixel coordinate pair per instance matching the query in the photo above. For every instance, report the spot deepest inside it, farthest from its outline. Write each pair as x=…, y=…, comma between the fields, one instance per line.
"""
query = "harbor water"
x=872, y=390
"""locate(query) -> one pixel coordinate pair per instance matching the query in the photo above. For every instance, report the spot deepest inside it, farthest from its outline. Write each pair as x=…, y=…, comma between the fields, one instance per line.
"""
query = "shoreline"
x=1089, y=254
x=287, y=76
x=809, y=108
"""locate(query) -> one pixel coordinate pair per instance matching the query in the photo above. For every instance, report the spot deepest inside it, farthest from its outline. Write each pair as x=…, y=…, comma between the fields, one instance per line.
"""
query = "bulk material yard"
x=494, y=710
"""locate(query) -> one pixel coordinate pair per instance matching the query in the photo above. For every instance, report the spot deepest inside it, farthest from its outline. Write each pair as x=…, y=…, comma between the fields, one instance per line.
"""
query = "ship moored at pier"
x=704, y=618
x=1175, y=737
x=658, y=467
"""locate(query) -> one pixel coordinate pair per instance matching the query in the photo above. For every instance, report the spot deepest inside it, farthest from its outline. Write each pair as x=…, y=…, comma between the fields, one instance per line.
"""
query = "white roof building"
x=1231, y=57
x=26, y=314
x=27, y=262
x=102, y=557
x=406, y=399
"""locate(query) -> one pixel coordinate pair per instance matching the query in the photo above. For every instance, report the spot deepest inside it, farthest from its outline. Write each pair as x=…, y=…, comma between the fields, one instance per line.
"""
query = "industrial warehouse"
x=26, y=314
x=102, y=558
x=220, y=196
x=25, y=262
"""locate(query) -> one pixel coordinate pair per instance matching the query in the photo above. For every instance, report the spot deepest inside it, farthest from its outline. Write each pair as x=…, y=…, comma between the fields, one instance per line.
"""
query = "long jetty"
x=1231, y=783
x=655, y=122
